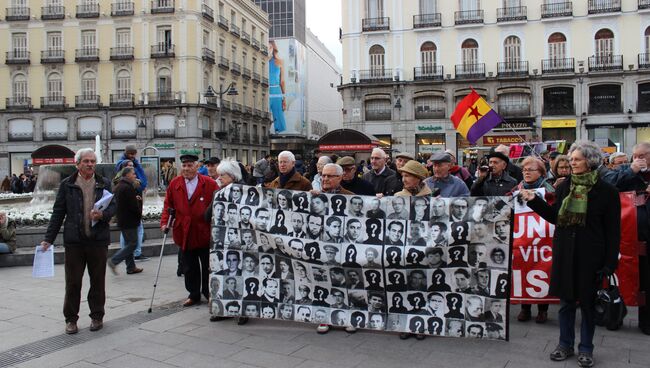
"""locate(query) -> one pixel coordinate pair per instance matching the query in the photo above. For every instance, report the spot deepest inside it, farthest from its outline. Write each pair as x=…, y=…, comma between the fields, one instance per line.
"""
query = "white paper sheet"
x=43, y=262
x=103, y=203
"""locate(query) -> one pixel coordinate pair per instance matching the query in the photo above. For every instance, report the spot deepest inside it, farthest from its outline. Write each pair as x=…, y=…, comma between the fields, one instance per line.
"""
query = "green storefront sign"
x=165, y=145
x=192, y=151
x=429, y=128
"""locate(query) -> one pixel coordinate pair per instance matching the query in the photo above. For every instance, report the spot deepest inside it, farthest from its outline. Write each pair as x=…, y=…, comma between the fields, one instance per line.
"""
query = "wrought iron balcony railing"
x=246, y=73
x=162, y=50
x=122, y=8
x=603, y=6
x=86, y=54
x=510, y=69
x=644, y=61
x=512, y=14
x=428, y=72
x=164, y=133
x=376, y=75
x=256, y=77
x=224, y=63
x=163, y=98
x=643, y=4
x=124, y=134
x=88, y=11
x=208, y=55
x=207, y=12
x=18, y=57
x=599, y=63
x=427, y=20
x=255, y=44
x=264, y=49
x=222, y=22
x=470, y=71
x=245, y=37
x=378, y=114
x=18, y=103
x=122, y=53
x=52, y=12
x=265, y=81
x=52, y=56
x=20, y=136
x=88, y=134
x=468, y=17
x=375, y=24
x=122, y=100
x=555, y=66
x=555, y=10
x=17, y=13
x=55, y=101
x=234, y=30
x=55, y=136
x=87, y=101
x=162, y=6
x=235, y=68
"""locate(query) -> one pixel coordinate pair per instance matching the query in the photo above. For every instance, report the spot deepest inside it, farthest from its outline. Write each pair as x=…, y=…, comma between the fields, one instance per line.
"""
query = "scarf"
x=537, y=184
x=414, y=191
x=284, y=178
x=573, y=210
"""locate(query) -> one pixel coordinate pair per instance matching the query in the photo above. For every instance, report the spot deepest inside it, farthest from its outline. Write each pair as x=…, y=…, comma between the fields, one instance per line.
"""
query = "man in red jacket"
x=190, y=195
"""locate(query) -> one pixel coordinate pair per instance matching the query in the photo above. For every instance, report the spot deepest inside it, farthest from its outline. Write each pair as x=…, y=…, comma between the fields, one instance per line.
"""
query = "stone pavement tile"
x=167, y=338
x=8, y=326
x=167, y=323
x=197, y=360
x=279, y=346
x=185, y=328
x=271, y=328
x=149, y=350
x=13, y=338
x=640, y=357
x=638, y=342
x=390, y=362
x=343, y=358
x=38, y=322
x=458, y=359
x=316, y=364
x=215, y=331
x=213, y=348
x=82, y=365
x=9, y=313
x=411, y=351
x=134, y=361
x=103, y=356
x=611, y=356
x=336, y=339
x=265, y=359
x=541, y=364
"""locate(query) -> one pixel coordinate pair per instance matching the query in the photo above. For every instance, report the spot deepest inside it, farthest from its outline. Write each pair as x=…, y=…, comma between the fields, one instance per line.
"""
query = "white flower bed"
x=14, y=195
x=30, y=215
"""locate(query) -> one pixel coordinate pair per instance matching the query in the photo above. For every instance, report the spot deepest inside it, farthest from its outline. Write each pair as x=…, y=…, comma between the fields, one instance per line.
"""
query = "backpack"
x=609, y=306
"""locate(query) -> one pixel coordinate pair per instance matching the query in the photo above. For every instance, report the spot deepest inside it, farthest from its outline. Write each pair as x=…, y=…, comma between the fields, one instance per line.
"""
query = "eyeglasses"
x=326, y=176
x=529, y=170
x=376, y=158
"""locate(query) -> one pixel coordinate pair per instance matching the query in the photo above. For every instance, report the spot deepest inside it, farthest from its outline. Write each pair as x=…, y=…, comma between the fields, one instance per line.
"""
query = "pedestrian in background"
x=129, y=217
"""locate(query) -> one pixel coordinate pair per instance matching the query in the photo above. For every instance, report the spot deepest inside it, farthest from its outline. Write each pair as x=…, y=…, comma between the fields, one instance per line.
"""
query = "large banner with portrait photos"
x=436, y=266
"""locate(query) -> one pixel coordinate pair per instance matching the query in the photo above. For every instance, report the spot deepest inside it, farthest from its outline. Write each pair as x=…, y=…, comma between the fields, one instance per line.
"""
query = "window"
x=469, y=52
x=233, y=18
x=54, y=41
x=19, y=87
x=123, y=37
x=254, y=65
x=374, y=8
x=164, y=81
x=514, y=104
x=123, y=83
x=54, y=86
x=605, y=98
x=88, y=40
x=164, y=37
x=646, y=38
x=427, y=6
x=430, y=107
x=243, y=25
x=206, y=81
x=244, y=58
x=222, y=48
x=556, y=46
x=604, y=45
x=378, y=109
x=377, y=60
x=558, y=101
x=234, y=55
x=511, y=3
x=206, y=39
x=512, y=50
x=428, y=57
x=643, y=98
x=88, y=85
x=466, y=5
x=19, y=44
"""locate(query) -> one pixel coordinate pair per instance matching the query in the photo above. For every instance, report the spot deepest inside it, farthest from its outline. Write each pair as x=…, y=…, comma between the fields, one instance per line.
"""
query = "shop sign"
x=49, y=161
x=559, y=123
x=165, y=145
x=516, y=125
x=429, y=128
x=495, y=140
x=346, y=147
x=193, y=151
x=431, y=148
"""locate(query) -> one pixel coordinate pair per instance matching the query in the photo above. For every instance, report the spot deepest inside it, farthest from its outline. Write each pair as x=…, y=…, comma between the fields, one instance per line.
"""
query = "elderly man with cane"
x=190, y=195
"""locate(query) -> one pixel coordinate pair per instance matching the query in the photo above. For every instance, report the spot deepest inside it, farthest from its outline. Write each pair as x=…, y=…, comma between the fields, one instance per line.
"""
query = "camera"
x=484, y=168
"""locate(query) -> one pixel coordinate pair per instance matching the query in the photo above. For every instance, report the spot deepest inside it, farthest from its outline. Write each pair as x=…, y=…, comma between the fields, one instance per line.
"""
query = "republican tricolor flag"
x=473, y=117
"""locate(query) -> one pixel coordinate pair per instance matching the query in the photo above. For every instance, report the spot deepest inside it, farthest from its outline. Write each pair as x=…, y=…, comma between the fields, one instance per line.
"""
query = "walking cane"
x=170, y=221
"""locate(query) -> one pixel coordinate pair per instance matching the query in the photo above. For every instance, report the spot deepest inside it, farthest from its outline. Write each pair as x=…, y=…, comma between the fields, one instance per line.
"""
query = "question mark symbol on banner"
x=359, y=319
x=338, y=205
x=312, y=251
x=280, y=218
x=438, y=278
x=503, y=283
x=435, y=325
x=373, y=229
x=398, y=278
x=373, y=276
x=460, y=230
x=350, y=254
x=417, y=300
x=253, y=194
x=301, y=200
x=456, y=254
x=454, y=302
x=418, y=325
x=320, y=294
x=251, y=287
x=394, y=256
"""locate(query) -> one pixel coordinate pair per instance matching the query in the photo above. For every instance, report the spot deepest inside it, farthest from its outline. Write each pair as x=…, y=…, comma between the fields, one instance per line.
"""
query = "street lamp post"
x=211, y=93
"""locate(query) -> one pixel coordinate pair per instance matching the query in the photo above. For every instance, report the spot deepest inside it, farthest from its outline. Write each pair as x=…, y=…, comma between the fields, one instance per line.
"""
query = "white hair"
x=287, y=154
x=324, y=160
x=338, y=168
x=230, y=167
x=82, y=152
x=616, y=155
x=380, y=151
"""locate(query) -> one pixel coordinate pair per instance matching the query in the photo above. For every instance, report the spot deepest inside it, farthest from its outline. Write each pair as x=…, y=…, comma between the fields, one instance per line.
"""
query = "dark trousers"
x=567, y=317
x=76, y=260
x=196, y=267
x=126, y=253
x=644, y=287
x=540, y=307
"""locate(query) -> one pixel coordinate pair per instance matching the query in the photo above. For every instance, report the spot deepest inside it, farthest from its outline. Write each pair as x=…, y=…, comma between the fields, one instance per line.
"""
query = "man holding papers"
x=85, y=244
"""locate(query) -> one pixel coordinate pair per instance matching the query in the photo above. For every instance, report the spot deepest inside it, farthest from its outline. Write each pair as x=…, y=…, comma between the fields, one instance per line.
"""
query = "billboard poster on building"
x=287, y=63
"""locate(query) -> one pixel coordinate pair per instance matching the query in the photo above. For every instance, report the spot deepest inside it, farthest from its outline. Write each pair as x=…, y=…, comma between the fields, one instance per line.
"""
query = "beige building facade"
x=134, y=71
x=552, y=69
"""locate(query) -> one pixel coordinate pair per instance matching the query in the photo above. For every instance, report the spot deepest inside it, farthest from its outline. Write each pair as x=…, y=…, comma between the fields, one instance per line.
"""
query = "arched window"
x=123, y=85
x=470, y=52
x=428, y=57
x=164, y=82
x=512, y=50
x=88, y=85
x=54, y=86
x=206, y=81
x=646, y=37
x=556, y=46
x=377, y=61
x=604, y=43
x=19, y=87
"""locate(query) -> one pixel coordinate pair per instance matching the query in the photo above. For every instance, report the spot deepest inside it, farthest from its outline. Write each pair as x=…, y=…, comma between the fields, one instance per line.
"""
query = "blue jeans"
x=567, y=317
x=4, y=248
x=138, y=249
x=126, y=253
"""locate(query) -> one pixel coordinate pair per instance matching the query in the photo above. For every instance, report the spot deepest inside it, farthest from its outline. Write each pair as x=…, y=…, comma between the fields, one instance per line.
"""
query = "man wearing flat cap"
x=495, y=181
x=351, y=181
x=190, y=195
x=449, y=185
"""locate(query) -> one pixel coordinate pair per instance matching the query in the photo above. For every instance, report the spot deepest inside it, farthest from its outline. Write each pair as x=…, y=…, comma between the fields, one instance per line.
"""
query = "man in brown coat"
x=289, y=178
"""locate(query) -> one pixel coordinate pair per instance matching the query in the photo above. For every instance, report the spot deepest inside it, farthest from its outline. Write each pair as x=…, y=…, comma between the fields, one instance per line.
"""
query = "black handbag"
x=610, y=307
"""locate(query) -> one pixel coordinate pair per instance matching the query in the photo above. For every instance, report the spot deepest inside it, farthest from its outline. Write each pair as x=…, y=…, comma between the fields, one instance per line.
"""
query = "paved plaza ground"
x=31, y=334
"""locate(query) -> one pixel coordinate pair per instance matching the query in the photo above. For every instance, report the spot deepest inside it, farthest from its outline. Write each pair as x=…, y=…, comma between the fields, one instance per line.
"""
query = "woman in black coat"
x=585, y=245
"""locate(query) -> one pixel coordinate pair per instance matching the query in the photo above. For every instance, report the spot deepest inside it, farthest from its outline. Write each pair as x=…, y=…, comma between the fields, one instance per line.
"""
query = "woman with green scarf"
x=587, y=216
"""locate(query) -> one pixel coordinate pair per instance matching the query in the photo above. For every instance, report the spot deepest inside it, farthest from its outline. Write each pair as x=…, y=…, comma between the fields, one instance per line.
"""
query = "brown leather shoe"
x=524, y=316
x=135, y=270
x=542, y=317
x=96, y=325
x=71, y=328
x=190, y=302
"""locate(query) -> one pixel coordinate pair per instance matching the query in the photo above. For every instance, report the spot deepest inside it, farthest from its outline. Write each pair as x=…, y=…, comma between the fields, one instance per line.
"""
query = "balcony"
x=265, y=50
x=124, y=134
x=426, y=112
x=512, y=69
x=164, y=133
x=17, y=57
x=52, y=56
x=122, y=8
x=558, y=109
x=88, y=134
x=378, y=114
x=265, y=139
x=55, y=136
x=470, y=71
x=248, y=110
x=468, y=17
x=427, y=20
x=246, y=138
x=606, y=63
x=18, y=103
x=206, y=133
x=375, y=24
x=163, y=98
x=86, y=54
x=223, y=63
x=17, y=13
x=255, y=44
x=236, y=107
x=222, y=22
x=256, y=77
x=122, y=100
x=514, y=110
x=603, y=6
x=605, y=108
x=245, y=37
x=246, y=73
x=644, y=4
x=162, y=6
x=644, y=61
x=207, y=12
x=21, y=136
x=265, y=81
x=53, y=102
x=162, y=50
x=235, y=69
x=557, y=66
x=234, y=30
x=430, y=72
x=557, y=10
x=255, y=139
x=122, y=53
x=225, y=104
x=234, y=137
x=87, y=101
x=52, y=12
x=512, y=14
x=88, y=11
x=375, y=75
x=208, y=55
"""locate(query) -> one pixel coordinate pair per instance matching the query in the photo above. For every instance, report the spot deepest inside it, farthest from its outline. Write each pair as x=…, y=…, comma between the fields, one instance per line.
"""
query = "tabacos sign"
x=495, y=140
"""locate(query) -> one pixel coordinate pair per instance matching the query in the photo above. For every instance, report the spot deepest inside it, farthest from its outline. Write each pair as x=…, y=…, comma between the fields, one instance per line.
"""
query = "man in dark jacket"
x=289, y=177
x=129, y=216
x=512, y=169
x=351, y=181
x=381, y=176
x=85, y=244
x=496, y=182
x=130, y=152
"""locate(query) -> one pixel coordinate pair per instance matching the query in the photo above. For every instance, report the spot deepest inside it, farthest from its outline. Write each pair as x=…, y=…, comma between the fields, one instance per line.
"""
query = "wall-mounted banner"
x=435, y=266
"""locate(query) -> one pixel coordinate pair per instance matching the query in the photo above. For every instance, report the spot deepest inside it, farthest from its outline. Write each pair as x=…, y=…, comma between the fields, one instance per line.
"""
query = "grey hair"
x=590, y=150
x=287, y=154
x=127, y=170
x=338, y=168
x=82, y=152
x=645, y=145
x=230, y=167
x=616, y=155
x=325, y=159
x=380, y=151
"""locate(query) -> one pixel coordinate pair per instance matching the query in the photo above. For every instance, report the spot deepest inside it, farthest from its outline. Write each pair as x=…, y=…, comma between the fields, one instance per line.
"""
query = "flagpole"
x=532, y=150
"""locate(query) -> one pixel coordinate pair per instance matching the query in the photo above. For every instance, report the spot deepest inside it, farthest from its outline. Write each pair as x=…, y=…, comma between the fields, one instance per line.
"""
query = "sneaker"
x=350, y=329
x=322, y=328
x=135, y=270
x=585, y=360
x=141, y=258
x=112, y=266
x=561, y=353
